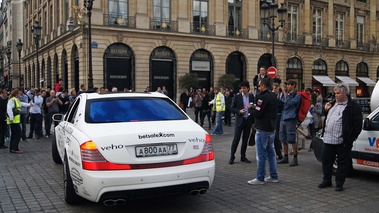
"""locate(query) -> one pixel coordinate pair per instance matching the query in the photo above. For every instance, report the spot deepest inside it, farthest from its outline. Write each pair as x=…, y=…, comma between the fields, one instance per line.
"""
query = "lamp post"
x=36, y=29
x=271, y=11
x=1, y=65
x=9, y=55
x=19, y=49
x=88, y=4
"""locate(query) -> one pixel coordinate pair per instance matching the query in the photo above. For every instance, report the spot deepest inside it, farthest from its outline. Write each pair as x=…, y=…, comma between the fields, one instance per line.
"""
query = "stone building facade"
x=139, y=43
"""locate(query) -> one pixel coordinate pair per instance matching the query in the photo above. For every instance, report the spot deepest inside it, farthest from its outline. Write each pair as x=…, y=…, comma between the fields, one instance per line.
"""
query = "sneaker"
x=271, y=180
x=17, y=151
x=294, y=162
x=47, y=136
x=283, y=161
x=255, y=181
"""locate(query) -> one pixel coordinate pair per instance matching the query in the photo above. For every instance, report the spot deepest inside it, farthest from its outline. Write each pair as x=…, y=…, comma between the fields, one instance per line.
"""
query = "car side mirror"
x=57, y=117
x=366, y=124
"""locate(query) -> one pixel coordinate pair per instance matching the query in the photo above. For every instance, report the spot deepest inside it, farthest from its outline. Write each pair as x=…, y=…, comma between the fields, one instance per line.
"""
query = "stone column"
x=142, y=18
x=219, y=16
x=308, y=17
x=353, y=25
x=331, y=21
x=184, y=9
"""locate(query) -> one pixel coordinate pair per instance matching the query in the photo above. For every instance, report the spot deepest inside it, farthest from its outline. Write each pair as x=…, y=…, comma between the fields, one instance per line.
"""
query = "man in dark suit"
x=241, y=107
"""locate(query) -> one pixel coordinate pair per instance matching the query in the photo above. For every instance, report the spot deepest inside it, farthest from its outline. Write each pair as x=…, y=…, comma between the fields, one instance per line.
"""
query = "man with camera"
x=52, y=104
x=36, y=115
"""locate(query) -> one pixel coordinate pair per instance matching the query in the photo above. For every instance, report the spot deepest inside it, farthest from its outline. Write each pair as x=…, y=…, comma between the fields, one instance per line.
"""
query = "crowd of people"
x=271, y=109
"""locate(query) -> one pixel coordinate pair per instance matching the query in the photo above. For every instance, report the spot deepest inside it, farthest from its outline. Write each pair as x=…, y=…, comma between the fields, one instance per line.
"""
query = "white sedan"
x=122, y=146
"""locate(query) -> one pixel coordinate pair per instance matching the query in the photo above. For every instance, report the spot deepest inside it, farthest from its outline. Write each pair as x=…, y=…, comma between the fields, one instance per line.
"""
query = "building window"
x=45, y=23
x=342, y=68
x=360, y=30
x=51, y=18
x=66, y=10
x=294, y=63
x=362, y=69
x=200, y=16
x=317, y=26
x=319, y=67
x=339, y=29
x=118, y=12
x=57, y=2
x=292, y=22
x=235, y=17
x=162, y=19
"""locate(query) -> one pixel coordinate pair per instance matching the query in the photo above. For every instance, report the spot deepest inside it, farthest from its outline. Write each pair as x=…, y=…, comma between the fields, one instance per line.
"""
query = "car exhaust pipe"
x=202, y=191
x=194, y=192
x=198, y=191
x=114, y=202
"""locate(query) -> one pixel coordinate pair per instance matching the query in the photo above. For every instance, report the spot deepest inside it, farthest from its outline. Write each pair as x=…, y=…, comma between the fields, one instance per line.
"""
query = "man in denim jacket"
x=288, y=122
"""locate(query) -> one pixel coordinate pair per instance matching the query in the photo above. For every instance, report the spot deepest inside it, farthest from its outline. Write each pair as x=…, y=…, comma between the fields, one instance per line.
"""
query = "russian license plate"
x=156, y=150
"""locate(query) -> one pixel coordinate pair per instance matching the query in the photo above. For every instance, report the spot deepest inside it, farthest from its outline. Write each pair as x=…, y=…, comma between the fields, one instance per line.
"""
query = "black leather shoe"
x=324, y=185
x=30, y=137
x=231, y=161
x=245, y=160
x=283, y=161
x=339, y=188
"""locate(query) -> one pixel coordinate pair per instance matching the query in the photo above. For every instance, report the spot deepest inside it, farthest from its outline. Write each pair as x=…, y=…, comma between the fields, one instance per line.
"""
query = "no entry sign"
x=272, y=71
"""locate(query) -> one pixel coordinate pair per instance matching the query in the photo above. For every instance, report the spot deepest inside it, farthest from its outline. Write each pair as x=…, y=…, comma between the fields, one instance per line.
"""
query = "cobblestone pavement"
x=31, y=182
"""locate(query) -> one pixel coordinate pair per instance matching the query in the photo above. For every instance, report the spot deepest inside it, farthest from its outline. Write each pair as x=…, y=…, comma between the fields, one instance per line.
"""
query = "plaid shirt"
x=333, y=127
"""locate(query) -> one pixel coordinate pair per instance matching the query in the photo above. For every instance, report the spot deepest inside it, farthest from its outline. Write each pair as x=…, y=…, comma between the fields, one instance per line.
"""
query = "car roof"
x=122, y=94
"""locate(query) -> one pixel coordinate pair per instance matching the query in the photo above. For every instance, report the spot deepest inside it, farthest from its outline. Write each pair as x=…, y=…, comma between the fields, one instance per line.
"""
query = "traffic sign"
x=272, y=71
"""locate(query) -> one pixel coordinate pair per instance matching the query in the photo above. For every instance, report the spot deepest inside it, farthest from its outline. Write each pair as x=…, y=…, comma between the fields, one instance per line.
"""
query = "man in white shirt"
x=36, y=115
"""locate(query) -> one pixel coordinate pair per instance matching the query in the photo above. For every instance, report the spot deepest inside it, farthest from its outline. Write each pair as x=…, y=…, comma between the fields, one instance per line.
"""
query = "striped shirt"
x=333, y=126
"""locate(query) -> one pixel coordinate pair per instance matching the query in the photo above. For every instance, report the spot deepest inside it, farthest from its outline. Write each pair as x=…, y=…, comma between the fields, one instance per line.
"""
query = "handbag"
x=252, y=137
x=15, y=110
x=320, y=122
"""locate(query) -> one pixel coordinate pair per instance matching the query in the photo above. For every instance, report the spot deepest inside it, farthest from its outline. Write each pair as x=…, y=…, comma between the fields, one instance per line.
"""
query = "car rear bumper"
x=133, y=184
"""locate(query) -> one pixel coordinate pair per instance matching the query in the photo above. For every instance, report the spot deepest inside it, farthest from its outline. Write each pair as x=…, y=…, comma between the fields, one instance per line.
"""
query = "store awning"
x=348, y=80
x=367, y=81
x=324, y=80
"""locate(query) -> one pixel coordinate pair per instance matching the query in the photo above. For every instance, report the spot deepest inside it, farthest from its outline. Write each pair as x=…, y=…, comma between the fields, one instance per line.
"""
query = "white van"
x=365, y=151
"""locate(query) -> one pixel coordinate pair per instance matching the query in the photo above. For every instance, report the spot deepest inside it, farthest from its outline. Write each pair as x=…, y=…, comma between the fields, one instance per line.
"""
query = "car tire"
x=54, y=151
x=70, y=195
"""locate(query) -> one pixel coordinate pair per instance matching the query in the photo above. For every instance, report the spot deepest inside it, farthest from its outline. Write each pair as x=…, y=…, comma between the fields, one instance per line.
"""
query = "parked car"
x=121, y=146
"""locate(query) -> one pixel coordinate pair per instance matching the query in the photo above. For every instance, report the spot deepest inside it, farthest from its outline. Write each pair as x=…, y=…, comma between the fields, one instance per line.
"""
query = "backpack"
x=304, y=106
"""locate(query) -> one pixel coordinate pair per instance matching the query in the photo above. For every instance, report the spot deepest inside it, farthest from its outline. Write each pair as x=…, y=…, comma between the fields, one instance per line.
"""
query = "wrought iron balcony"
x=121, y=21
x=203, y=29
x=320, y=41
x=164, y=25
x=266, y=35
x=294, y=38
x=237, y=33
x=363, y=46
x=342, y=44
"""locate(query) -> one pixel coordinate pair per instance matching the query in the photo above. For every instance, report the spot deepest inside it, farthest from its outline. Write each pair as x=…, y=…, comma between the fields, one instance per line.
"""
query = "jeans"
x=218, y=128
x=265, y=151
x=208, y=114
x=23, y=118
x=15, y=136
x=35, y=125
x=3, y=129
x=49, y=120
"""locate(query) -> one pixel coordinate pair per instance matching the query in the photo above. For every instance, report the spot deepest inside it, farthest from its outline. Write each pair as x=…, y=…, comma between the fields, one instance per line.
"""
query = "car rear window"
x=132, y=110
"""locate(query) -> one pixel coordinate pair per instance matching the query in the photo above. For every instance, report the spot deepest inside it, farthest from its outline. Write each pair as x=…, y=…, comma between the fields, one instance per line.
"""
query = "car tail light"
x=206, y=155
x=93, y=160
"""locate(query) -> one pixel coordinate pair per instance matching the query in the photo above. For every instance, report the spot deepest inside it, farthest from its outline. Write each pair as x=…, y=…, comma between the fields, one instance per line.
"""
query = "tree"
x=227, y=80
x=188, y=80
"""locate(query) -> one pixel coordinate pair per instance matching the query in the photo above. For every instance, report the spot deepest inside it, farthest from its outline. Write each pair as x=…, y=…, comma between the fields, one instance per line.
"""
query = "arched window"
x=342, y=68
x=294, y=63
x=362, y=69
x=319, y=67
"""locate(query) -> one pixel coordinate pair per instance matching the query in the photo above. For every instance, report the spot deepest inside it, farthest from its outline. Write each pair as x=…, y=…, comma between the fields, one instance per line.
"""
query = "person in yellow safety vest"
x=219, y=108
x=14, y=119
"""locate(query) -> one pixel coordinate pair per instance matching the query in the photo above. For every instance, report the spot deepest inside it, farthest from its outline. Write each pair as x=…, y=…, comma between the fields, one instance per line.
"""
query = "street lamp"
x=19, y=49
x=88, y=4
x=271, y=11
x=36, y=29
x=9, y=55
